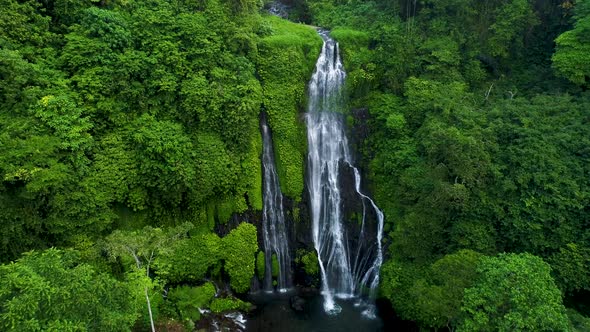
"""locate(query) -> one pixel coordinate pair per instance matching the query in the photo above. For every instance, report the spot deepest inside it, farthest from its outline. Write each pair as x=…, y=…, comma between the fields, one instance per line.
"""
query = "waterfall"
x=279, y=9
x=349, y=263
x=274, y=232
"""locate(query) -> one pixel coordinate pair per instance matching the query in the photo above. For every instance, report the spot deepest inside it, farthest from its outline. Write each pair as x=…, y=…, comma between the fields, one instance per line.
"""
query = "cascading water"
x=274, y=230
x=347, y=267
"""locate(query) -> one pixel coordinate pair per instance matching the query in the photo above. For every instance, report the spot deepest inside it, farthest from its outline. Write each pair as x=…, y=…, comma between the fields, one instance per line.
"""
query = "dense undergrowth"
x=139, y=119
x=130, y=129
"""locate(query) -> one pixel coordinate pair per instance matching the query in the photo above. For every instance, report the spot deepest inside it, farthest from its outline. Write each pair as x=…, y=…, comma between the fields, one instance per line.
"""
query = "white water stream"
x=274, y=230
x=348, y=269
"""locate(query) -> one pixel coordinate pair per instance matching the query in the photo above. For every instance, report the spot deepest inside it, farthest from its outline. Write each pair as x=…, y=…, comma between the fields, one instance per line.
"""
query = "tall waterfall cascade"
x=349, y=263
x=274, y=229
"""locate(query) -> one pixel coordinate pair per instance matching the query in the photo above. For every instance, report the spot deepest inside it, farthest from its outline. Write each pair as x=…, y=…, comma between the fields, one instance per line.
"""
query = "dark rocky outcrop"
x=297, y=303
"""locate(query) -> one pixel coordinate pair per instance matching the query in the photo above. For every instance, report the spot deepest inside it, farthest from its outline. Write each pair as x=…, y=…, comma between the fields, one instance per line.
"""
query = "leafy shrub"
x=260, y=265
x=239, y=249
x=190, y=259
x=189, y=300
x=227, y=304
x=309, y=260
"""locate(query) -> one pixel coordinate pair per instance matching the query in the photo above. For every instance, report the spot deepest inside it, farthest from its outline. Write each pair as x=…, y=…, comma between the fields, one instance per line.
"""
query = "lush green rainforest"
x=129, y=135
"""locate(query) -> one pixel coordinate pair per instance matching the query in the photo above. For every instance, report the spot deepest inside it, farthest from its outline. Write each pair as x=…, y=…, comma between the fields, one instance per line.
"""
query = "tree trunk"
x=147, y=271
x=147, y=297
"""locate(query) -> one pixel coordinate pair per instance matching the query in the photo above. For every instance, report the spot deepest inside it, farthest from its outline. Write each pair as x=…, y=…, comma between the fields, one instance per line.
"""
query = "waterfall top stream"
x=349, y=263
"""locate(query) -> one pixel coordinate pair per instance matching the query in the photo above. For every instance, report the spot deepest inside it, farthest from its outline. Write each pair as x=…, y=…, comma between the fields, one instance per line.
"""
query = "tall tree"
x=514, y=292
x=143, y=247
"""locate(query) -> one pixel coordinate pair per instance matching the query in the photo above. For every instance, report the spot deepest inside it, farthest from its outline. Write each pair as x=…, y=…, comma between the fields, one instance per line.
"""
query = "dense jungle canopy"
x=130, y=155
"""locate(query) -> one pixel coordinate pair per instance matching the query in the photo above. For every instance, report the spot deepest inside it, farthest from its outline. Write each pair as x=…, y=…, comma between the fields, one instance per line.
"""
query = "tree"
x=431, y=296
x=52, y=291
x=514, y=292
x=453, y=274
x=512, y=19
x=571, y=268
x=165, y=156
x=190, y=260
x=539, y=194
x=143, y=247
x=22, y=25
x=572, y=56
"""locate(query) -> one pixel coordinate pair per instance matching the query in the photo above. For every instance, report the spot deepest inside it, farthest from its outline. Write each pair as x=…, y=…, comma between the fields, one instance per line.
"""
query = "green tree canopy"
x=52, y=291
x=572, y=55
x=514, y=292
x=142, y=247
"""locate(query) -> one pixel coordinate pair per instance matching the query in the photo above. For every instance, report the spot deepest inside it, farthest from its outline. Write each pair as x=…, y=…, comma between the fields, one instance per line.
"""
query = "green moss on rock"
x=253, y=167
x=357, y=57
x=190, y=259
x=239, y=250
x=285, y=62
x=275, y=266
x=260, y=265
x=228, y=304
x=309, y=262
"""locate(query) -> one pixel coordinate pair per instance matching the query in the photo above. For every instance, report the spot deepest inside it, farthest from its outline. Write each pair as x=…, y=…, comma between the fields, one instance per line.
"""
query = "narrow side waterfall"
x=274, y=232
x=349, y=263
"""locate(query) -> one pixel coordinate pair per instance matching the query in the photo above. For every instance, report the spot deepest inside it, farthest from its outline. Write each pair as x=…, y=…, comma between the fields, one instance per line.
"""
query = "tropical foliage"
x=476, y=147
x=130, y=155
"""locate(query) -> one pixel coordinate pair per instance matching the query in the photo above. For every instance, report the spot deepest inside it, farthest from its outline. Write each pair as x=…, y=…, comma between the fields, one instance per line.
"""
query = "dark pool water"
x=274, y=313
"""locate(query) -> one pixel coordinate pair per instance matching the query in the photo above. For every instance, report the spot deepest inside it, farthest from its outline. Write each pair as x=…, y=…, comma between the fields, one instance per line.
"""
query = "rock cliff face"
x=297, y=214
